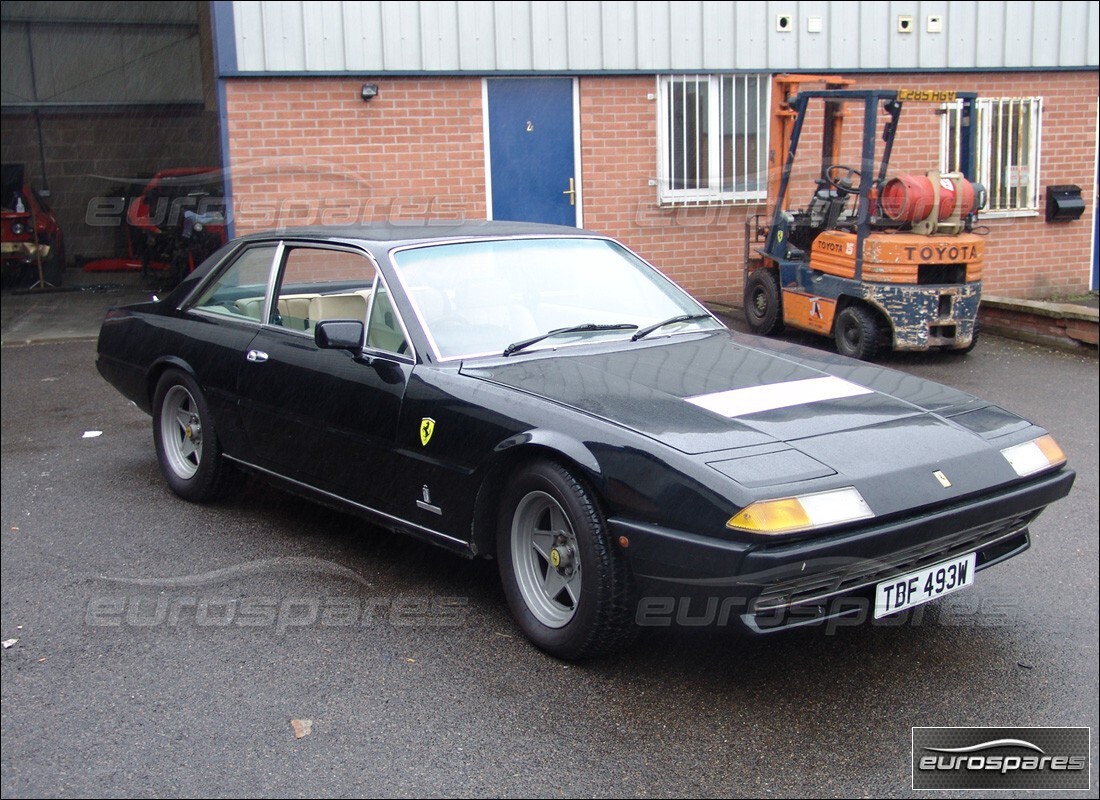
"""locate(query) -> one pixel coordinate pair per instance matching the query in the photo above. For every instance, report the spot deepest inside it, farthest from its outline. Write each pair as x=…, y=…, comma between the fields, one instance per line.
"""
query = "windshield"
x=477, y=298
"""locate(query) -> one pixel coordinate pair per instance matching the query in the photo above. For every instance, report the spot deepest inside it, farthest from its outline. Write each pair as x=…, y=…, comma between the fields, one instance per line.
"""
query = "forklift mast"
x=887, y=101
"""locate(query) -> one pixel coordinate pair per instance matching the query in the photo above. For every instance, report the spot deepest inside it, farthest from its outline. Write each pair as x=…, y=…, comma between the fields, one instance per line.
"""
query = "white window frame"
x=713, y=192
x=988, y=169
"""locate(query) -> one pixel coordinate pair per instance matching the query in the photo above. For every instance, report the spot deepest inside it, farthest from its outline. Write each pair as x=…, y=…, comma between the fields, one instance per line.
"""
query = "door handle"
x=257, y=356
x=572, y=192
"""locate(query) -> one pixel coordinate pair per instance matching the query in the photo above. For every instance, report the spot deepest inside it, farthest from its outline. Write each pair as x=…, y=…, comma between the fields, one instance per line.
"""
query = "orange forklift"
x=873, y=260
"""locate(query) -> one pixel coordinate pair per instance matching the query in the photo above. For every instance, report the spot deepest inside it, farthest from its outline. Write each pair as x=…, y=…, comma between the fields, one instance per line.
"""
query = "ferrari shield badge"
x=427, y=427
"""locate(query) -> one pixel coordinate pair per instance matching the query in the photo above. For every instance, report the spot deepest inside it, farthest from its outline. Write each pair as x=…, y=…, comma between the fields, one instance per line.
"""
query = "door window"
x=321, y=283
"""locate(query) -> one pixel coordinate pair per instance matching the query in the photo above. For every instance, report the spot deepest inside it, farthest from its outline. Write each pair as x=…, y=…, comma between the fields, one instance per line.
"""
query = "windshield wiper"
x=515, y=347
x=648, y=329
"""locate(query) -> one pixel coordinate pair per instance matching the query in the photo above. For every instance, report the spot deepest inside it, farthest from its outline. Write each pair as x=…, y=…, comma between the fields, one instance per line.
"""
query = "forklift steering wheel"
x=842, y=184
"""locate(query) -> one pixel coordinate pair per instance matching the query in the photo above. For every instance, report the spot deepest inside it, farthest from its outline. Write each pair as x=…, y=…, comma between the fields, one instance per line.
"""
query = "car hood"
x=765, y=415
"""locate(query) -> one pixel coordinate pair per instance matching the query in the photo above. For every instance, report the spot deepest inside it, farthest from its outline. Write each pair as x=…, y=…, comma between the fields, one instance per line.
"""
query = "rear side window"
x=241, y=289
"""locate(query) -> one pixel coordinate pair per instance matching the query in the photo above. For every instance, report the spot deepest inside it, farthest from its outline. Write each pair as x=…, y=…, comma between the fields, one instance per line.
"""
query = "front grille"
x=806, y=593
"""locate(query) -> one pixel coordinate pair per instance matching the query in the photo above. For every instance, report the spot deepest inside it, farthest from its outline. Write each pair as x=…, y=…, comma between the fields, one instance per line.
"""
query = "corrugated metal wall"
x=481, y=36
x=78, y=53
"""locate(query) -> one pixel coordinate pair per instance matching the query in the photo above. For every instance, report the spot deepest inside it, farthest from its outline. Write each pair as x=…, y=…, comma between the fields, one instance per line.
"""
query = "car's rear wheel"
x=569, y=589
x=857, y=332
x=763, y=303
x=186, y=439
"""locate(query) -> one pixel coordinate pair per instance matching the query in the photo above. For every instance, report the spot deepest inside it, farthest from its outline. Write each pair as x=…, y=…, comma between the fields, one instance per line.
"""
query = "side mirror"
x=339, y=334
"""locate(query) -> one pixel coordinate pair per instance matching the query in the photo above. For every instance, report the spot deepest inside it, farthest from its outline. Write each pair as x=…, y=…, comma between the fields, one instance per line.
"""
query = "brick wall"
x=310, y=151
x=87, y=152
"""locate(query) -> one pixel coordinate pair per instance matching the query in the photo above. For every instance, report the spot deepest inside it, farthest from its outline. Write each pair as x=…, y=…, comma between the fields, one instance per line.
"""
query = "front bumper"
x=24, y=250
x=783, y=584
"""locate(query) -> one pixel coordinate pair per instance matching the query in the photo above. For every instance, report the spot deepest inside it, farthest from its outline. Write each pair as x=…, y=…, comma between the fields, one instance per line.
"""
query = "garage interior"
x=96, y=98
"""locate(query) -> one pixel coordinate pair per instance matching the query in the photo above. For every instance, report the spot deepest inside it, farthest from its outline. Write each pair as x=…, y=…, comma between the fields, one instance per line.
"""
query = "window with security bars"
x=1007, y=158
x=713, y=138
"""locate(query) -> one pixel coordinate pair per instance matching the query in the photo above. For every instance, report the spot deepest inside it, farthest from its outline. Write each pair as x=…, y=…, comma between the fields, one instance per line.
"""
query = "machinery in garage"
x=874, y=259
x=32, y=242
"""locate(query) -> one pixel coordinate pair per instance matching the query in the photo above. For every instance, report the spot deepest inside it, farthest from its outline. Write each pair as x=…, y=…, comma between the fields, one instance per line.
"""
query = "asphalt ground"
x=164, y=648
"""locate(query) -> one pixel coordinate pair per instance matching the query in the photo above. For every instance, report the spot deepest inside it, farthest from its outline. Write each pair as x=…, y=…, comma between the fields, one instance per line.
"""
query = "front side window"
x=477, y=298
x=1007, y=150
x=713, y=138
x=321, y=283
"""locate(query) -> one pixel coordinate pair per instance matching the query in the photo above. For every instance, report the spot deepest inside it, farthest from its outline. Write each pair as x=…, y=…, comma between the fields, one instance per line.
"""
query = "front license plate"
x=906, y=591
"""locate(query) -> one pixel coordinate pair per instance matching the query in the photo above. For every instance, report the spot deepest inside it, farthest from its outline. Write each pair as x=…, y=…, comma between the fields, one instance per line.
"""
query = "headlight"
x=1034, y=456
x=17, y=228
x=805, y=512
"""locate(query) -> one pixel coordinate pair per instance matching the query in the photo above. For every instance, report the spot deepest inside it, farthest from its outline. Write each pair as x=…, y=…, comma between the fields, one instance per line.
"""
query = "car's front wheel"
x=570, y=591
x=186, y=439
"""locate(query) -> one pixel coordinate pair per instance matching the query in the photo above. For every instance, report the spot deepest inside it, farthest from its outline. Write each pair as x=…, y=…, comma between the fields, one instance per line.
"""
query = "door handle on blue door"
x=572, y=192
x=259, y=356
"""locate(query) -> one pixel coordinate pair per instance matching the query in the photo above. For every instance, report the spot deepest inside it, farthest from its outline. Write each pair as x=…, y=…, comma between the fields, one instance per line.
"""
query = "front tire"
x=857, y=333
x=569, y=590
x=763, y=302
x=186, y=439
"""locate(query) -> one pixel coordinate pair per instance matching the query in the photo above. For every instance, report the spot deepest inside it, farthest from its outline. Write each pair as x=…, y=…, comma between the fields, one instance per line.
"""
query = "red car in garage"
x=32, y=238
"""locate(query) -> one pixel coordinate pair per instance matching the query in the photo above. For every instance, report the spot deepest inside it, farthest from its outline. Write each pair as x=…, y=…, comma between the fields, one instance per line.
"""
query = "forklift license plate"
x=906, y=591
x=927, y=95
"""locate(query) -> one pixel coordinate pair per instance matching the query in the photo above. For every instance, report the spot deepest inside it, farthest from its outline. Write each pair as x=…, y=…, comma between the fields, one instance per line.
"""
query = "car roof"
x=418, y=232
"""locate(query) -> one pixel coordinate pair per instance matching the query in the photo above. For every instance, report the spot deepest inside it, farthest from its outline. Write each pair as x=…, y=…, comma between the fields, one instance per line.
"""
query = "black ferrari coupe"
x=543, y=396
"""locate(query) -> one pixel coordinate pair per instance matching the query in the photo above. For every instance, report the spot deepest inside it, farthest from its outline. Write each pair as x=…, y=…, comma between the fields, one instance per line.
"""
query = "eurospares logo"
x=1001, y=758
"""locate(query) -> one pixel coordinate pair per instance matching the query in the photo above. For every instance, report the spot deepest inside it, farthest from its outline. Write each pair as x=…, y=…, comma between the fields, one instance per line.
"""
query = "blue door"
x=531, y=166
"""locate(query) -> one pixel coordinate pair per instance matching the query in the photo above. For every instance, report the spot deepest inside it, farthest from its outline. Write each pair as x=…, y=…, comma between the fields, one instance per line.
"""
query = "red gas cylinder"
x=909, y=198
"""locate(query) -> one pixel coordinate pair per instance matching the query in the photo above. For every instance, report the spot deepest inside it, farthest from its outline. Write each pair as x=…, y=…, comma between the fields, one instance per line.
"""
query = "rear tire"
x=187, y=440
x=570, y=591
x=857, y=333
x=763, y=302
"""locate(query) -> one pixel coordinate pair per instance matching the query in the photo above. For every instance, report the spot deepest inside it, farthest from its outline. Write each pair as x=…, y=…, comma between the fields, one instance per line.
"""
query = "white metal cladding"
x=675, y=35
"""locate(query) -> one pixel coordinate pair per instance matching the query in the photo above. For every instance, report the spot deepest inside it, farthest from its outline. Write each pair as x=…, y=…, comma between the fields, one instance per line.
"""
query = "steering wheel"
x=842, y=184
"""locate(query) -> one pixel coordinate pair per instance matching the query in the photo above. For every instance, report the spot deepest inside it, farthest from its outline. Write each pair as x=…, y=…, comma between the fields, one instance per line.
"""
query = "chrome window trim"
x=272, y=284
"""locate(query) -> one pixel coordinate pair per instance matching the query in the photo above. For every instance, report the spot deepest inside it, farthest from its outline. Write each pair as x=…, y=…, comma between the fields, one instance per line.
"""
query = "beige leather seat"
x=295, y=305
x=252, y=307
x=337, y=306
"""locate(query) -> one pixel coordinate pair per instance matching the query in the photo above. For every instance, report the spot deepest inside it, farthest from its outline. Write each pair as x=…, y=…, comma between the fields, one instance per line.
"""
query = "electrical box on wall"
x=1064, y=203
